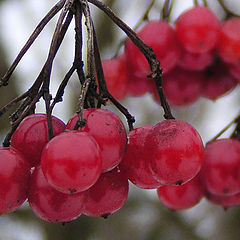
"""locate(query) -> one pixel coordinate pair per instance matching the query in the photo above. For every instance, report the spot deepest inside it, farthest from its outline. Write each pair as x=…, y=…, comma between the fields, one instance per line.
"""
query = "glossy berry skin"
x=229, y=42
x=32, y=134
x=181, y=87
x=182, y=197
x=218, y=81
x=175, y=150
x=14, y=178
x=109, y=132
x=220, y=171
x=224, y=201
x=115, y=73
x=161, y=37
x=50, y=204
x=135, y=163
x=198, y=29
x=71, y=162
x=107, y=195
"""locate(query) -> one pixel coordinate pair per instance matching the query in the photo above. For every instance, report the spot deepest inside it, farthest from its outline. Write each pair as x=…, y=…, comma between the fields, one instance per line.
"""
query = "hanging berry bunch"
x=83, y=167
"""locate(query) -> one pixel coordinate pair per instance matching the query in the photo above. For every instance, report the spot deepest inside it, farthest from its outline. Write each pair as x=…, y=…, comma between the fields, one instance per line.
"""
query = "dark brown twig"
x=32, y=38
x=145, y=49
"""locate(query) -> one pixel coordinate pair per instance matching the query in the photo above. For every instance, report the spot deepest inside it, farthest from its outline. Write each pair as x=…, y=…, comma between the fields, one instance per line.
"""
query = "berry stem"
x=166, y=10
x=235, y=120
x=145, y=49
x=55, y=9
x=78, y=43
x=60, y=91
x=15, y=124
x=104, y=93
x=143, y=18
x=81, y=122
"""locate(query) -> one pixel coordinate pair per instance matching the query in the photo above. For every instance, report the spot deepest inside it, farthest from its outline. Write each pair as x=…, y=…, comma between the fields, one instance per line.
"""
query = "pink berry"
x=51, y=205
x=234, y=70
x=175, y=152
x=221, y=165
x=14, y=178
x=32, y=135
x=198, y=29
x=229, y=42
x=138, y=86
x=115, y=73
x=181, y=87
x=71, y=162
x=135, y=163
x=109, y=132
x=224, y=201
x=195, y=61
x=218, y=81
x=107, y=195
x=182, y=197
x=161, y=37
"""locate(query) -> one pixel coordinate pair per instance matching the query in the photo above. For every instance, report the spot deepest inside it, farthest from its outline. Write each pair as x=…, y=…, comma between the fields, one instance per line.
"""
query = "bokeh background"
x=143, y=217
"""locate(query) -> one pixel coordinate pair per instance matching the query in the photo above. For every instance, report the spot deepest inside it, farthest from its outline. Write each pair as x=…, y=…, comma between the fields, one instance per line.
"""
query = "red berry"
x=198, y=29
x=51, y=205
x=32, y=134
x=109, y=132
x=161, y=37
x=195, y=61
x=115, y=73
x=218, y=81
x=175, y=151
x=220, y=171
x=234, y=70
x=138, y=86
x=14, y=178
x=107, y=195
x=135, y=163
x=71, y=162
x=224, y=201
x=181, y=87
x=182, y=197
x=229, y=42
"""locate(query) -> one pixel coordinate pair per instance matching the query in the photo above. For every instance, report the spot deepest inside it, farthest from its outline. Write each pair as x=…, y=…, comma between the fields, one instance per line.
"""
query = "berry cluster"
x=199, y=57
x=168, y=157
x=75, y=172
x=86, y=171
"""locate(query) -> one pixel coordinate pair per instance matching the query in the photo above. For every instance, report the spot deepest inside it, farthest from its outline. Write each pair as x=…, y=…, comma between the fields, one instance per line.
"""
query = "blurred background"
x=143, y=216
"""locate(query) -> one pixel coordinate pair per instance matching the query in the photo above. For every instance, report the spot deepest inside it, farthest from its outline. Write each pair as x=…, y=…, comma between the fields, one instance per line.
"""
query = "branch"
x=32, y=38
x=145, y=49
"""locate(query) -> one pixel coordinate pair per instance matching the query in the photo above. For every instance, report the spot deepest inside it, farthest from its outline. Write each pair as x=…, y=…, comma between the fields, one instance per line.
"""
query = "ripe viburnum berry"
x=182, y=197
x=161, y=37
x=198, y=29
x=175, y=152
x=217, y=81
x=225, y=201
x=181, y=87
x=50, y=204
x=14, y=179
x=115, y=73
x=32, y=134
x=109, y=132
x=195, y=61
x=229, y=42
x=221, y=165
x=107, y=195
x=71, y=162
x=135, y=163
